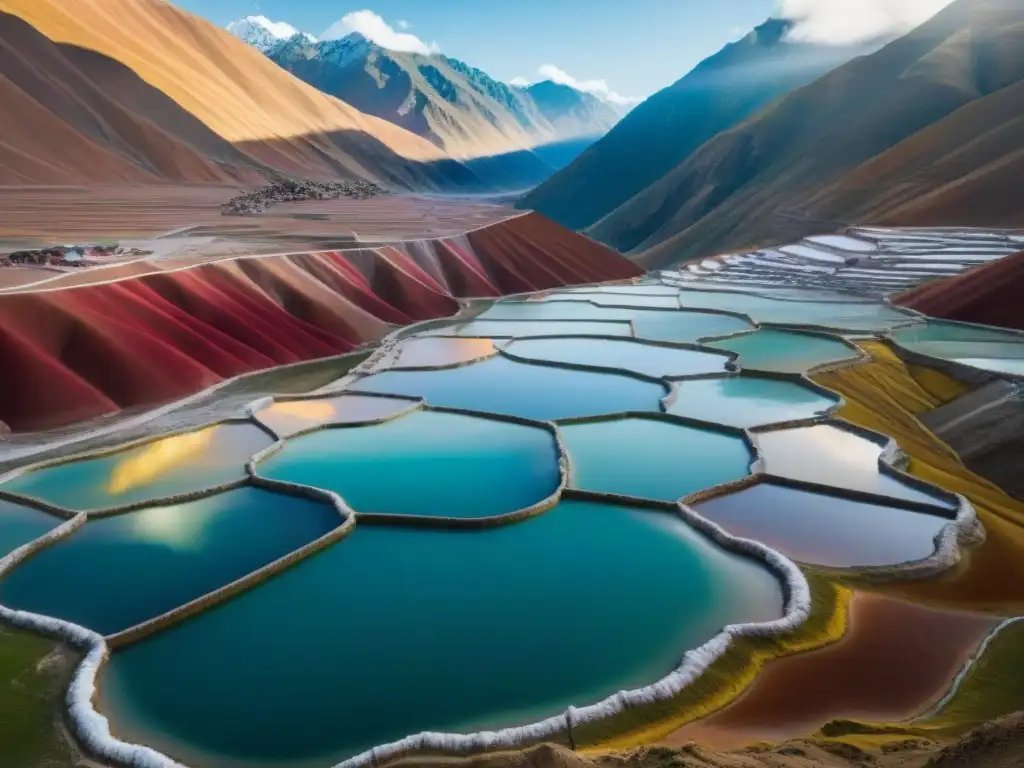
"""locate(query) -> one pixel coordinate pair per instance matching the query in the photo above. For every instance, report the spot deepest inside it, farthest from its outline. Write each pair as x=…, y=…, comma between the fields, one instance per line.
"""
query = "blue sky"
x=636, y=46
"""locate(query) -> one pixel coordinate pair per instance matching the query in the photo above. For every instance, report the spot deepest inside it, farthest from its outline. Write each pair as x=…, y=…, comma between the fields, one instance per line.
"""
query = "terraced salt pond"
x=748, y=401
x=653, y=458
x=118, y=571
x=429, y=352
x=649, y=359
x=287, y=417
x=506, y=387
x=426, y=463
x=785, y=351
x=1014, y=366
x=507, y=329
x=839, y=315
x=841, y=458
x=514, y=546
x=20, y=524
x=827, y=530
x=186, y=463
x=652, y=324
x=989, y=349
x=361, y=639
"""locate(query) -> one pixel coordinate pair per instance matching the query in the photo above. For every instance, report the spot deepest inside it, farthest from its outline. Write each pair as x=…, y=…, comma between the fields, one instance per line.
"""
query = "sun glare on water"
x=306, y=410
x=157, y=459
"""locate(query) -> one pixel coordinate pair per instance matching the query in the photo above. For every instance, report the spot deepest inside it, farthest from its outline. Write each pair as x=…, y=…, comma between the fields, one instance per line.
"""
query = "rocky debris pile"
x=57, y=256
x=292, y=191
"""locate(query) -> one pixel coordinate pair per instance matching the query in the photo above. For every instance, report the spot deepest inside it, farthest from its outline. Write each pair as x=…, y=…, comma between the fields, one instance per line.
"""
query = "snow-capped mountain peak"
x=262, y=33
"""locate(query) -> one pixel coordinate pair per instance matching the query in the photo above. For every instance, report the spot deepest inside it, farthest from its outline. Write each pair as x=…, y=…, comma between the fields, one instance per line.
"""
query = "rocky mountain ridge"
x=453, y=104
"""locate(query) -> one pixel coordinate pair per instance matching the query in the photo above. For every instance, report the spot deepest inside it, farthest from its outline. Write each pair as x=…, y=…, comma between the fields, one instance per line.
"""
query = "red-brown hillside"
x=990, y=295
x=77, y=352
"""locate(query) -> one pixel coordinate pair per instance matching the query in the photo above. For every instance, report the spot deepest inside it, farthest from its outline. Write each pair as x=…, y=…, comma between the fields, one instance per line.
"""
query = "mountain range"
x=104, y=91
x=454, y=105
x=927, y=129
x=767, y=140
x=262, y=33
x=719, y=93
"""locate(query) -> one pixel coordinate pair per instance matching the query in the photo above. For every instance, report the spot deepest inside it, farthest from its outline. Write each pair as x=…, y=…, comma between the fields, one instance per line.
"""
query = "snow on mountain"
x=262, y=33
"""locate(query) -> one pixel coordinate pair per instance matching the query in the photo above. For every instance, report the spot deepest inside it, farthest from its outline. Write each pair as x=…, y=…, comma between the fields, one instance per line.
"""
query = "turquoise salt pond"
x=828, y=454
x=118, y=571
x=503, y=386
x=620, y=354
x=942, y=332
x=186, y=463
x=749, y=401
x=392, y=631
x=431, y=351
x=843, y=315
x=785, y=351
x=652, y=458
x=19, y=525
x=652, y=324
x=506, y=329
x=1011, y=366
x=287, y=417
x=826, y=530
x=632, y=299
x=426, y=463
x=990, y=349
x=633, y=289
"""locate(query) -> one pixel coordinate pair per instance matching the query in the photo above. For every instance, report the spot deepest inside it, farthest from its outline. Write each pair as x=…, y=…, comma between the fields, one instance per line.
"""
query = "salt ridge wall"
x=76, y=353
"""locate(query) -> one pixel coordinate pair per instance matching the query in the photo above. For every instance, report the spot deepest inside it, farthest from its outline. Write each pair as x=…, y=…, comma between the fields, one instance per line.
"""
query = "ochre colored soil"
x=999, y=744
x=895, y=660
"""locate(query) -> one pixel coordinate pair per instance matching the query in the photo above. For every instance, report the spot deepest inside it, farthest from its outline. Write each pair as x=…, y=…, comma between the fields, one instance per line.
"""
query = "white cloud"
x=840, y=22
x=403, y=24
x=276, y=28
x=597, y=87
x=374, y=28
x=520, y=82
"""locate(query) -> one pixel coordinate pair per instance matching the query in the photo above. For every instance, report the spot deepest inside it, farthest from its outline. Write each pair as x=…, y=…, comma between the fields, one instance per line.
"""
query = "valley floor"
x=184, y=221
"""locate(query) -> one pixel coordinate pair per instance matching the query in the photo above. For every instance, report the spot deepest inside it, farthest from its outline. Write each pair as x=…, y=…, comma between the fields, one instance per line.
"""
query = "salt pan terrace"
x=476, y=479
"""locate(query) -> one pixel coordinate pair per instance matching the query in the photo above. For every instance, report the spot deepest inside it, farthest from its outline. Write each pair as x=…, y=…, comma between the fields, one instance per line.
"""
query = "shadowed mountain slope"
x=730, y=86
x=137, y=90
x=990, y=295
x=79, y=352
x=909, y=133
x=72, y=115
x=965, y=168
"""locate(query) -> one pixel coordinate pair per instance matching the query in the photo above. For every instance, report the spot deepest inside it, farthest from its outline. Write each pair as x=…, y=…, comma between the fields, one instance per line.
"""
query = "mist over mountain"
x=927, y=130
x=720, y=92
x=572, y=112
